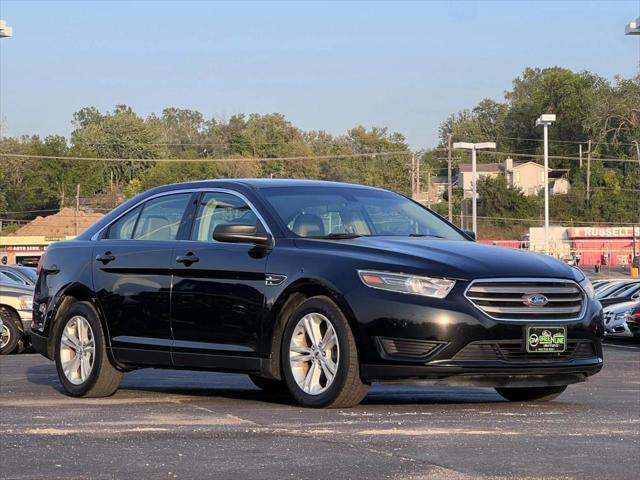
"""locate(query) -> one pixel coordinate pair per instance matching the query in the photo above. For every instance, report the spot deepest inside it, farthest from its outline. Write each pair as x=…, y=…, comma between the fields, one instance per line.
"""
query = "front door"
x=132, y=279
x=218, y=290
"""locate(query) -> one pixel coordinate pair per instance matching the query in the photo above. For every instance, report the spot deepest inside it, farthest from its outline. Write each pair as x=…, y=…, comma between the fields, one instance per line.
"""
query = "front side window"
x=161, y=217
x=219, y=208
x=335, y=211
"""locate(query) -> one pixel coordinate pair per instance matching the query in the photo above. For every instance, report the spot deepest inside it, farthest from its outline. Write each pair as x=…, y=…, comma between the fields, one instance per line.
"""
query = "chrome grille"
x=514, y=351
x=513, y=299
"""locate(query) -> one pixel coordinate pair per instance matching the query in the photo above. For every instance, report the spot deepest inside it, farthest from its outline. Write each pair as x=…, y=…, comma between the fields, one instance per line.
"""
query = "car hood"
x=15, y=290
x=454, y=259
x=621, y=307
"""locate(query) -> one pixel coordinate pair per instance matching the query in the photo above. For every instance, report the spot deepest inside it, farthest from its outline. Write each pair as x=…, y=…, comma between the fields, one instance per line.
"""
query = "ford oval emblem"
x=535, y=300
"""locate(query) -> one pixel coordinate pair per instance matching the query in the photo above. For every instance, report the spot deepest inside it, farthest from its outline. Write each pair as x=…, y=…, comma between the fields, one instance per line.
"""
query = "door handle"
x=105, y=258
x=187, y=259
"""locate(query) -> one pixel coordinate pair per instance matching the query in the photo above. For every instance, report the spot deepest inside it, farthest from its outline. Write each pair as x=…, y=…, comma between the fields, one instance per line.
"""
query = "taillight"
x=635, y=316
x=40, y=262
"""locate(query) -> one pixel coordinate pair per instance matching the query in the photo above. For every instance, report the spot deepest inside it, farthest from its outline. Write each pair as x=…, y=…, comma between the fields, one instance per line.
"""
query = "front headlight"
x=622, y=316
x=585, y=283
x=413, y=284
x=25, y=302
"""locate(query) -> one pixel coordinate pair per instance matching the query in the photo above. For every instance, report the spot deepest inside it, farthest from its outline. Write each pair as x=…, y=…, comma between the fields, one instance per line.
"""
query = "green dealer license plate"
x=546, y=339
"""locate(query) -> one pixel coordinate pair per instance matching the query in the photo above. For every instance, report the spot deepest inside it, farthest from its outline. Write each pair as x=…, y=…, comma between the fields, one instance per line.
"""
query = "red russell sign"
x=603, y=232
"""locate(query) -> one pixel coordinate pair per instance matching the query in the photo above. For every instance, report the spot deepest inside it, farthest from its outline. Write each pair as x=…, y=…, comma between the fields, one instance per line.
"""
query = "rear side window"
x=122, y=229
x=11, y=278
x=160, y=218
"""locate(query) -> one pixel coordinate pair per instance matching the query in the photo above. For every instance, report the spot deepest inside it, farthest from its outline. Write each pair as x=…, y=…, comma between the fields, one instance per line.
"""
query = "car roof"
x=259, y=183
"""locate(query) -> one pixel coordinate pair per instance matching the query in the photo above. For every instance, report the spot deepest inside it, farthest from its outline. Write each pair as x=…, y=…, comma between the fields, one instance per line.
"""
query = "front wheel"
x=9, y=334
x=532, y=394
x=81, y=355
x=319, y=357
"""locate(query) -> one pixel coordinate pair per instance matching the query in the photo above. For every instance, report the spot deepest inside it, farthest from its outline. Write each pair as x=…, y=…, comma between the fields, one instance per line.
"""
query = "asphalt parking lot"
x=176, y=424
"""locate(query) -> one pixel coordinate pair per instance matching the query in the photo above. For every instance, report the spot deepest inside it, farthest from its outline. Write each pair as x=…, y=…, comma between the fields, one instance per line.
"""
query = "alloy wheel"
x=77, y=350
x=314, y=353
x=5, y=336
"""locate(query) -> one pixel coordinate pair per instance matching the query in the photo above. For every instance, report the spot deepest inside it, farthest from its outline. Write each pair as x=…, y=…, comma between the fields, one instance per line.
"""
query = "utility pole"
x=580, y=155
x=77, y=207
x=635, y=251
x=589, y=175
x=449, y=186
x=418, y=178
x=413, y=176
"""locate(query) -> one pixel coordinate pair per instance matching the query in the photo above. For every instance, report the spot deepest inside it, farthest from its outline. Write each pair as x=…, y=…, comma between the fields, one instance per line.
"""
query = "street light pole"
x=474, y=147
x=545, y=120
x=5, y=30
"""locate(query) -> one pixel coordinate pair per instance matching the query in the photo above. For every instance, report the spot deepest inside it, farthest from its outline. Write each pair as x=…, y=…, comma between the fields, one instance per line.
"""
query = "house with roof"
x=527, y=176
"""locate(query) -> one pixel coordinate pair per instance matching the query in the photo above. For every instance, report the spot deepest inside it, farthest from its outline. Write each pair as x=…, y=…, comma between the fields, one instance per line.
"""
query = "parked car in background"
x=18, y=274
x=313, y=288
x=615, y=318
x=626, y=293
x=613, y=287
x=633, y=321
x=15, y=310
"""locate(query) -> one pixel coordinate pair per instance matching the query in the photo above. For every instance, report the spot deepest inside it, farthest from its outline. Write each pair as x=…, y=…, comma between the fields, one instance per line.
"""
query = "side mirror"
x=471, y=234
x=236, y=233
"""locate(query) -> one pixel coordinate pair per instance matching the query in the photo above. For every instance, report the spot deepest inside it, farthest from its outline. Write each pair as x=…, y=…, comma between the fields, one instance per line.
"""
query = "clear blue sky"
x=327, y=66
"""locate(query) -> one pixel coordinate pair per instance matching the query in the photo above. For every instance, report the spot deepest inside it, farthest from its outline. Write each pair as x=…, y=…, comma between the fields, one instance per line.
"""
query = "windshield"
x=630, y=290
x=29, y=272
x=325, y=212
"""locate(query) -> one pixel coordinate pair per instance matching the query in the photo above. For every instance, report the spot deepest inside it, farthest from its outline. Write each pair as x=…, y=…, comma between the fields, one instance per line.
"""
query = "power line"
x=559, y=157
x=575, y=142
x=580, y=222
x=210, y=160
x=311, y=157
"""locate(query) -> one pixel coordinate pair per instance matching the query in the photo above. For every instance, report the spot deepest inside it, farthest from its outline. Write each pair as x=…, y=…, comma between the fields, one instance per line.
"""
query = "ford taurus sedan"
x=312, y=288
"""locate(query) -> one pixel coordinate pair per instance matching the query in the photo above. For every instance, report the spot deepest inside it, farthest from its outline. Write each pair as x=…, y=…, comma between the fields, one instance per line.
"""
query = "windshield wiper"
x=424, y=235
x=339, y=236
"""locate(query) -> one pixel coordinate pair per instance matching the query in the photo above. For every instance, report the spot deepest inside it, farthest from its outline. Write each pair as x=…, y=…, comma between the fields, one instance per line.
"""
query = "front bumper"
x=25, y=319
x=487, y=374
x=446, y=328
x=40, y=344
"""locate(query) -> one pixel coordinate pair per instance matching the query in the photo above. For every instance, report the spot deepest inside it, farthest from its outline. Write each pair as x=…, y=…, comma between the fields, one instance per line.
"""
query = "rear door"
x=132, y=278
x=218, y=289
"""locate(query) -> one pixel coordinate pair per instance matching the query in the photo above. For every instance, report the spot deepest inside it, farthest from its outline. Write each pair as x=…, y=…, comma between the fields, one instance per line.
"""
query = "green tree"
x=120, y=134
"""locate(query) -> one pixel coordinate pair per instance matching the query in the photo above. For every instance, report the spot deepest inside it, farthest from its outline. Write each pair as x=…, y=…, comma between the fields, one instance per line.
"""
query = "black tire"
x=11, y=329
x=532, y=394
x=270, y=386
x=104, y=378
x=347, y=389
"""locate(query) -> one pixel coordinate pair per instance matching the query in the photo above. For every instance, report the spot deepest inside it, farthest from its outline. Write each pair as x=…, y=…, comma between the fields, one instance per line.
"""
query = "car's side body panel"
x=133, y=291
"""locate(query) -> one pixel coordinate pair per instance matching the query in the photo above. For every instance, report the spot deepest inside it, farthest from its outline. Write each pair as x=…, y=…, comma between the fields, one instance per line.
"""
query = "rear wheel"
x=532, y=394
x=319, y=357
x=81, y=356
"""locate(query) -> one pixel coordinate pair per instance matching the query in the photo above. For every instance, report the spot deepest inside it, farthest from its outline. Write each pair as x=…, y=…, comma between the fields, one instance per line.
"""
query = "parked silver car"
x=616, y=318
x=15, y=311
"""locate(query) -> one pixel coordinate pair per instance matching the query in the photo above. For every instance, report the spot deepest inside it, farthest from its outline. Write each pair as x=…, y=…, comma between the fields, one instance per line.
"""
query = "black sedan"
x=313, y=288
